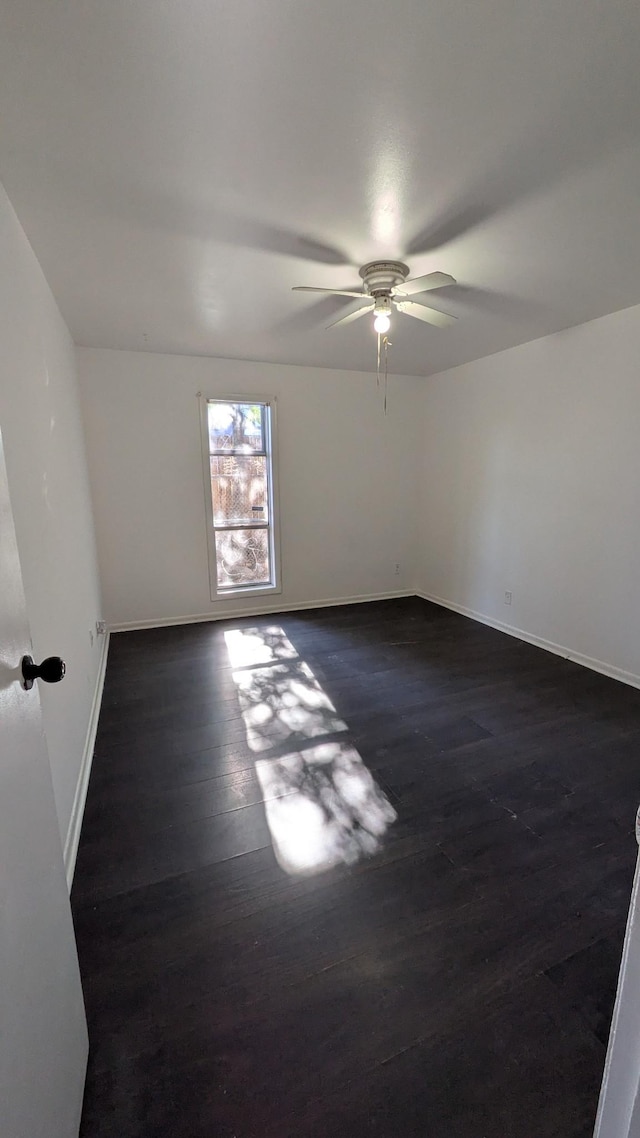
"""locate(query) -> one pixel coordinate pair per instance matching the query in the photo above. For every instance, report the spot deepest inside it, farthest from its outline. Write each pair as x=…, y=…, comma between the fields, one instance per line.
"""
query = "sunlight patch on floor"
x=323, y=808
x=248, y=647
x=322, y=804
x=284, y=702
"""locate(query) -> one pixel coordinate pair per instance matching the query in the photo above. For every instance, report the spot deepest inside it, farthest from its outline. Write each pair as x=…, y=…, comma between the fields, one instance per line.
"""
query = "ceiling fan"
x=384, y=288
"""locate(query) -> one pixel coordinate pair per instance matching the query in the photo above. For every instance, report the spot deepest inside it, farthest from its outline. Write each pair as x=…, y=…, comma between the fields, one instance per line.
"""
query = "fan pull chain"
x=386, y=370
x=383, y=350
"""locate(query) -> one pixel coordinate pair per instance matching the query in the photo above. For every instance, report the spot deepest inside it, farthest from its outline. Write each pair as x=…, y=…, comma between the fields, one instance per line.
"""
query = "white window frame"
x=218, y=592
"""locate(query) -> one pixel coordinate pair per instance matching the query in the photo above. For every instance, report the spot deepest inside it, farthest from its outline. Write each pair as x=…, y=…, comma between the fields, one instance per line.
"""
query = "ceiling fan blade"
x=429, y=315
x=423, y=284
x=352, y=315
x=335, y=291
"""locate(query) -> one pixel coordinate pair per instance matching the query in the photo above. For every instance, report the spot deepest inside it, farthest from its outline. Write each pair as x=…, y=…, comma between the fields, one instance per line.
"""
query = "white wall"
x=347, y=481
x=531, y=483
x=46, y=466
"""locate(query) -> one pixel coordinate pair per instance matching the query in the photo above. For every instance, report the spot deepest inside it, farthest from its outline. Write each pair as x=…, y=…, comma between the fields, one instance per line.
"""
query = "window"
x=240, y=495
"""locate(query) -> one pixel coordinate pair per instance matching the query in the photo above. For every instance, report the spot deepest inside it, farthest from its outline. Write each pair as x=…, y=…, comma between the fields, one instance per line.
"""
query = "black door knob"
x=50, y=670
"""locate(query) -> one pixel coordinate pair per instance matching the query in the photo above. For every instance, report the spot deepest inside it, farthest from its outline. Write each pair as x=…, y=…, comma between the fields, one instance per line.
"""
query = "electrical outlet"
x=507, y=597
x=397, y=569
x=101, y=627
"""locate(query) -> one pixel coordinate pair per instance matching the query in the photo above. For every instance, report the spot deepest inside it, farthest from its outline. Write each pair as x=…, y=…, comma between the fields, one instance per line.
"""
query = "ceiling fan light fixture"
x=382, y=314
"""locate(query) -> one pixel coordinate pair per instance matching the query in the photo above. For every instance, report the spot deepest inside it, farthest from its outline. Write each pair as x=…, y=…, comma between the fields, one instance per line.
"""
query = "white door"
x=43, y=1036
x=619, y=1108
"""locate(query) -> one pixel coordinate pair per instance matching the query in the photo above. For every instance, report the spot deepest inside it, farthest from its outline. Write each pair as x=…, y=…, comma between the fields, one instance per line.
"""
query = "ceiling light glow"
x=382, y=323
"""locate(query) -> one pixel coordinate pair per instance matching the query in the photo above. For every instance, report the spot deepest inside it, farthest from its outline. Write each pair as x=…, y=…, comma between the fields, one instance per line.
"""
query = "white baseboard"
x=80, y=796
x=591, y=662
x=263, y=610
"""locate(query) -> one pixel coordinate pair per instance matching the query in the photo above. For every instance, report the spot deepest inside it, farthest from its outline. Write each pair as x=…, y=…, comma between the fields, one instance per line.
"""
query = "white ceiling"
x=179, y=164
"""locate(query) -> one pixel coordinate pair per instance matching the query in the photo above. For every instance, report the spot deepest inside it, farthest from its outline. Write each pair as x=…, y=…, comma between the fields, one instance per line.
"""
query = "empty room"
x=320, y=551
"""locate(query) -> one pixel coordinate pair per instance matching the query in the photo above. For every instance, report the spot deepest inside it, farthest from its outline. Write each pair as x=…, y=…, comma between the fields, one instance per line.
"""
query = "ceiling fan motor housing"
x=380, y=277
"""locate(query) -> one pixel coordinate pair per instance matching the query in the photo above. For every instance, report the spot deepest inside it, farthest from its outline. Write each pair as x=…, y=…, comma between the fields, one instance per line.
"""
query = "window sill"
x=247, y=591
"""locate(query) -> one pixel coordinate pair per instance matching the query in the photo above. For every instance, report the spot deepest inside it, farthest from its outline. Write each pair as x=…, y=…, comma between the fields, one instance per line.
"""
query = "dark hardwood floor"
x=363, y=871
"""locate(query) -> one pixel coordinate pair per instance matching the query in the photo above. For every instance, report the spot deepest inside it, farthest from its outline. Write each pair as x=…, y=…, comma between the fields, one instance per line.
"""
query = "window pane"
x=242, y=557
x=236, y=426
x=239, y=489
